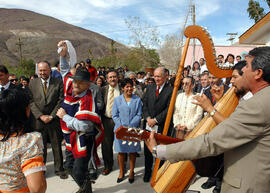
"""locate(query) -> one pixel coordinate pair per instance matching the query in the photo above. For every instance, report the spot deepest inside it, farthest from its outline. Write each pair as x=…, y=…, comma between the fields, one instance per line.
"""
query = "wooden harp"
x=175, y=178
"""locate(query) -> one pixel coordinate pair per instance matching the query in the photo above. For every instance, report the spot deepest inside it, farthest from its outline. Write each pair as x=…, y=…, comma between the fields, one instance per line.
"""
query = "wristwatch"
x=213, y=113
x=154, y=152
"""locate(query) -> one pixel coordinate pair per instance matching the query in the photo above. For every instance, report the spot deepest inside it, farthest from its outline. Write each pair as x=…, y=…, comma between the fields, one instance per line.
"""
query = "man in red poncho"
x=81, y=126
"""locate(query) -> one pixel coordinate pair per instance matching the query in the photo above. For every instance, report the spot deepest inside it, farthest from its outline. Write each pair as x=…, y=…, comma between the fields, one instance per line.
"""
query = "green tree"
x=255, y=11
x=26, y=68
x=136, y=59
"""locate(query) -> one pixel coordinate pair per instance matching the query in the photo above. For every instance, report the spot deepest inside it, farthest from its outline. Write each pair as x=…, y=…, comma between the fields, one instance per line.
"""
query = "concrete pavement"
x=107, y=184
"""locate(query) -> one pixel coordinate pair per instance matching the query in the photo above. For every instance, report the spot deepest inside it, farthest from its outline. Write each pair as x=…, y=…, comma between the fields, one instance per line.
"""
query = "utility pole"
x=232, y=37
x=194, y=40
x=20, y=49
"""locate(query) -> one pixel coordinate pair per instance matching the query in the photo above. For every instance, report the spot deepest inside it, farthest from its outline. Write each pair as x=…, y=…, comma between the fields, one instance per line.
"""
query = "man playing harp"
x=244, y=137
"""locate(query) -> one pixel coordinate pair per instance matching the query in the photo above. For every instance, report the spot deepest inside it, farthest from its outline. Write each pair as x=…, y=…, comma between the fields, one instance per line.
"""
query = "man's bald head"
x=44, y=70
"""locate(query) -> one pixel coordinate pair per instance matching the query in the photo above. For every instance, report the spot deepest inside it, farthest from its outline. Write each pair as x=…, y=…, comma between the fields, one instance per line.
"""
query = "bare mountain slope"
x=39, y=35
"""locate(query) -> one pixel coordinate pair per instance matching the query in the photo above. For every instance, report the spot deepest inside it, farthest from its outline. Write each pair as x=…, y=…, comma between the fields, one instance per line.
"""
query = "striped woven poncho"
x=82, y=108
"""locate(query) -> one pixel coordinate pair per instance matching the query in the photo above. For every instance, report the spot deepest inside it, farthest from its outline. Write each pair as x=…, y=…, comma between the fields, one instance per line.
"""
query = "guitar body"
x=176, y=178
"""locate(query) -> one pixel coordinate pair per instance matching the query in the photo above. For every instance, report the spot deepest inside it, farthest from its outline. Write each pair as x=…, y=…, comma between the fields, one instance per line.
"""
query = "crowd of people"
x=84, y=106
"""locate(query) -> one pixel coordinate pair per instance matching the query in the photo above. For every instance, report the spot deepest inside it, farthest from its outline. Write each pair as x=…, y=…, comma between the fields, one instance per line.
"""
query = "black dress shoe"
x=131, y=180
x=146, y=177
x=93, y=174
x=120, y=180
x=86, y=187
x=106, y=171
x=217, y=189
x=62, y=174
x=209, y=183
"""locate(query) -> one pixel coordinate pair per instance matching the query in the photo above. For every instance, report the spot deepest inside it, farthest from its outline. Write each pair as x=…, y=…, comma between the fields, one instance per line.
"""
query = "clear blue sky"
x=107, y=16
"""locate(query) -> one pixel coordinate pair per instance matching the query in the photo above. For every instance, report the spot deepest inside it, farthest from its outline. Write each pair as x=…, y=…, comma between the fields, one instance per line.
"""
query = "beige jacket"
x=185, y=112
x=245, y=140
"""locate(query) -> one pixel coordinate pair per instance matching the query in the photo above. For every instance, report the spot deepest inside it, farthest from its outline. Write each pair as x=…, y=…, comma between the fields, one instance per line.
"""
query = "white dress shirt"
x=48, y=80
x=6, y=86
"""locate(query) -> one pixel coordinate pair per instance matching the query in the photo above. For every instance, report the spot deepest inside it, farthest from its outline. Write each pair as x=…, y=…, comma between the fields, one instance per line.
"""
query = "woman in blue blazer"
x=127, y=111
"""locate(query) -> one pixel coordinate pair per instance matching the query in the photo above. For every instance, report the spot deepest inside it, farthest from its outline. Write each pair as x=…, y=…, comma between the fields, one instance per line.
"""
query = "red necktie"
x=157, y=91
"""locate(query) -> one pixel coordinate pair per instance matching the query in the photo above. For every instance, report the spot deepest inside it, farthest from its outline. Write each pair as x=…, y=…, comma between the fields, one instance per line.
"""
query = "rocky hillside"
x=39, y=35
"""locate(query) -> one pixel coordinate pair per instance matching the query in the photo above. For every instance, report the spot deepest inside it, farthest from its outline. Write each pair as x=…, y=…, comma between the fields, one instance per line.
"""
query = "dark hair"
x=205, y=72
x=26, y=79
x=3, y=69
x=167, y=71
x=56, y=64
x=239, y=67
x=126, y=81
x=112, y=70
x=77, y=65
x=221, y=55
x=196, y=62
x=261, y=60
x=228, y=57
x=13, y=118
x=22, y=77
x=192, y=79
x=103, y=82
x=186, y=69
x=34, y=76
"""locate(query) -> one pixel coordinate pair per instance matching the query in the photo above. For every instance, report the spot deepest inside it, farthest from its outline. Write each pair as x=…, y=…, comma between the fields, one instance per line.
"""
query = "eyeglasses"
x=12, y=80
x=186, y=83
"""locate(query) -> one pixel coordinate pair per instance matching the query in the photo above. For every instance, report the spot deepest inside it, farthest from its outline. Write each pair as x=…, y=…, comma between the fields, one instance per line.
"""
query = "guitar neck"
x=162, y=139
x=136, y=135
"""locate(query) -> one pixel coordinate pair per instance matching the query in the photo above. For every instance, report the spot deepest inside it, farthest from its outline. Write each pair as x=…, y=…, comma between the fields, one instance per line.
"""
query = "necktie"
x=157, y=91
x=2, y=88
x=45, y=87
x=111, y=99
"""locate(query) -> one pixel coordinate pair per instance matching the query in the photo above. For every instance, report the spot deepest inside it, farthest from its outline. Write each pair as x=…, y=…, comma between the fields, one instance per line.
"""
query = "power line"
x=144, y=28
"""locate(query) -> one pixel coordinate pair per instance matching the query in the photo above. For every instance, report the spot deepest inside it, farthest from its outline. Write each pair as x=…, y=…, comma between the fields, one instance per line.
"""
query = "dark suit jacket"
x=25, y=90
x=157, y=107
x=46, y=105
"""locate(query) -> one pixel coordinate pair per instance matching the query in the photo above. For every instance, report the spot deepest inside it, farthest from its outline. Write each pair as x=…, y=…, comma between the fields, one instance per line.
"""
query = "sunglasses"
x=12, y=80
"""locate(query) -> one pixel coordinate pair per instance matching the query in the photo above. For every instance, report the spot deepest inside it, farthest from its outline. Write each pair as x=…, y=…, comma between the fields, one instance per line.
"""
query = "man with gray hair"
x=137, y=89
x=155, y=107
